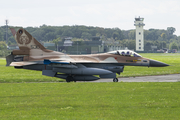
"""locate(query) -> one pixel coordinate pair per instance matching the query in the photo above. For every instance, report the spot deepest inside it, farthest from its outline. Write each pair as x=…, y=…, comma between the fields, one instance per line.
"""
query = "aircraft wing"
x=66, y=64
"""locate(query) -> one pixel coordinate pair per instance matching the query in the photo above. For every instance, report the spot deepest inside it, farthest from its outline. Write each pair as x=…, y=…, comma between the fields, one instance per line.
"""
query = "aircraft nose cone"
x=154, y=63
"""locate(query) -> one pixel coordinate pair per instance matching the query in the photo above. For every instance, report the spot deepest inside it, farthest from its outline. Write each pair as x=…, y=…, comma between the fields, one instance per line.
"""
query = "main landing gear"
x=115, y=80
x=69, y=79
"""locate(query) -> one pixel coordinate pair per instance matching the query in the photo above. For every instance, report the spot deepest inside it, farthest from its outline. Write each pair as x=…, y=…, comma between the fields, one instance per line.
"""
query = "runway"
x=159, y=78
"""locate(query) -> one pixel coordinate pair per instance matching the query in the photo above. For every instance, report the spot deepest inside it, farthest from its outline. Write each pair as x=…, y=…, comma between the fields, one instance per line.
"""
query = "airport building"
x=96, y=45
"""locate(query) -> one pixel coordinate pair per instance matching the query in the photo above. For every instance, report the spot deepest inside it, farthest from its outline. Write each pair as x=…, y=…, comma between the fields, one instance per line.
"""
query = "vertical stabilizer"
x=26, y=42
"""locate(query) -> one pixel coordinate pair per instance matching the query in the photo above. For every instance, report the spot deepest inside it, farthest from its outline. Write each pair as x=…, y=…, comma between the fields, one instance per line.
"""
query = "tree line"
x=152, y=37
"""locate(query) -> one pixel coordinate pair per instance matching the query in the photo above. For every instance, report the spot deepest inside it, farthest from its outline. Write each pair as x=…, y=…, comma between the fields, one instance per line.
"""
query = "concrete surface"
x=159, y=78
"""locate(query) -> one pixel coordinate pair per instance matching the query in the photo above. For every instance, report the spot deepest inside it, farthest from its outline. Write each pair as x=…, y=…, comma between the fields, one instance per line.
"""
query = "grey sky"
x=158, y=14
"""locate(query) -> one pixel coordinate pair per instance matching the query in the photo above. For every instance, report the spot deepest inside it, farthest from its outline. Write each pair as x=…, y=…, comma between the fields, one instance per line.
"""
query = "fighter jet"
x=34, y=56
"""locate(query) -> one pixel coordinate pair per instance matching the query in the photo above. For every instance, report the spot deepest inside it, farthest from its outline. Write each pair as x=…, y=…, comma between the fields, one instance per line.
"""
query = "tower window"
x=139, y=33
x=139, y=47
x=139, y=40
x=139, y=43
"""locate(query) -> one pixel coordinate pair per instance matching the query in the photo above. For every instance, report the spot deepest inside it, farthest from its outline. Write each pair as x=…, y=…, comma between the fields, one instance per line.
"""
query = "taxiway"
x=159, y=78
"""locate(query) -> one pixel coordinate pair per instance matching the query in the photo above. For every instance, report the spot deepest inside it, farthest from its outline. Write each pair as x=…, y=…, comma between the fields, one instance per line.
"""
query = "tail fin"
x=25, y=41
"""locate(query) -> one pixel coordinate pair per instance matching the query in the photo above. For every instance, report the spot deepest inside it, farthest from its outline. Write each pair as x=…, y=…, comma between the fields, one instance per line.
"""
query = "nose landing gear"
x=115, y=80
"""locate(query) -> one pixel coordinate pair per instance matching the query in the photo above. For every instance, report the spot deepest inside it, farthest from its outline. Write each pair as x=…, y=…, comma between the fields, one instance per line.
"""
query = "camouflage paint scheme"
x=34, y=56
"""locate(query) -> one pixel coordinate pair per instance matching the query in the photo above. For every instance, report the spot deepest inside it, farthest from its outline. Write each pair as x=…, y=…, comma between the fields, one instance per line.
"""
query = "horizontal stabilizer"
x=47, y=62
x=22, y=63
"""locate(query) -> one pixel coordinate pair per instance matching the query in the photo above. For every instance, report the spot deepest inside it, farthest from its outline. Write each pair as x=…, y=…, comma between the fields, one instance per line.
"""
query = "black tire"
x=115, y=80
x=69, y=79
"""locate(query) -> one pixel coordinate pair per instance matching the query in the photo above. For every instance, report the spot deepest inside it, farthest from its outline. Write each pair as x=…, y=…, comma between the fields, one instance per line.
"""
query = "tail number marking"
x=34, y=46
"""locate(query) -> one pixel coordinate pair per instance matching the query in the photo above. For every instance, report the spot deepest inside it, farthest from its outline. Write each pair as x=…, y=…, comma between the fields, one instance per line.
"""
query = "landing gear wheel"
x=69, y=79
x=115, y=80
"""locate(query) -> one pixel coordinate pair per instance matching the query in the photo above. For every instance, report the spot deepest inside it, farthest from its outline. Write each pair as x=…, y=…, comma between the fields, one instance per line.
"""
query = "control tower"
x=139, y=34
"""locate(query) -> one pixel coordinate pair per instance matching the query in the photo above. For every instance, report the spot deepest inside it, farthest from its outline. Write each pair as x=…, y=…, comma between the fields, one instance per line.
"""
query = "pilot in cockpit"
x=126, y=53
x=123, y=53
x=118, y=53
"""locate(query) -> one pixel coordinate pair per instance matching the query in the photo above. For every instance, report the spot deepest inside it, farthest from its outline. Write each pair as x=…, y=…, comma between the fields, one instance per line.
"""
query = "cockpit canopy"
x=125, y=53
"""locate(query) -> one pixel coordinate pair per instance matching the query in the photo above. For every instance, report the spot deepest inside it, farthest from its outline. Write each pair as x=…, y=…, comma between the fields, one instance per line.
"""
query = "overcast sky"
x=157, y=14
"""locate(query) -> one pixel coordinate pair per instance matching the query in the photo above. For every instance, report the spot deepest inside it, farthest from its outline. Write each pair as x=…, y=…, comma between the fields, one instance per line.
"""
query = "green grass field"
x=90, y=101
x=9, y=74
